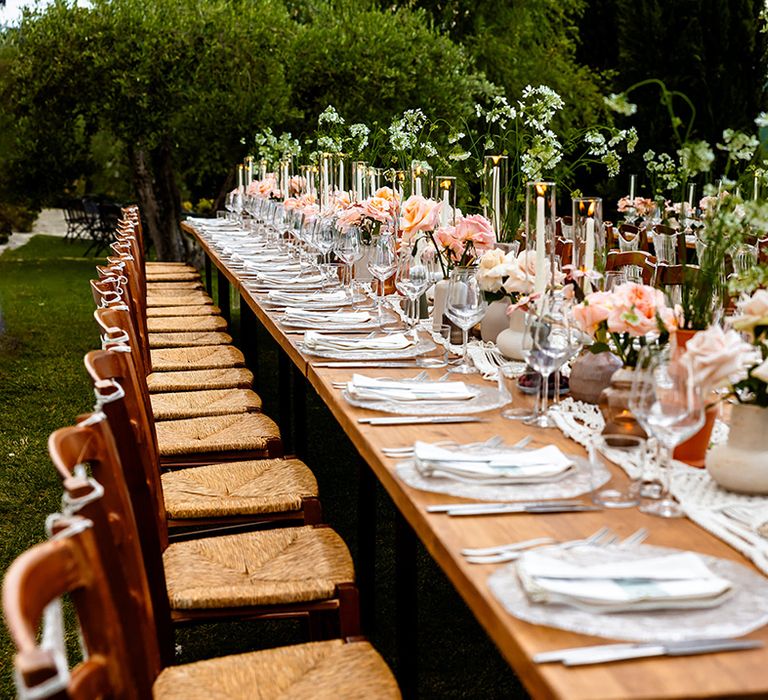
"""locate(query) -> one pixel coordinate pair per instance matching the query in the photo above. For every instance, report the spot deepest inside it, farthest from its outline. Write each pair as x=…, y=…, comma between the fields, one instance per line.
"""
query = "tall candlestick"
x=756, y=191
x=691, y=195
x=540, y=284
x=341, y=174
x=239, y=177
x=325, y=185
x=632, y=189
x=417, y=185
x=589, y=252
x=445, y=208
x=249, y=171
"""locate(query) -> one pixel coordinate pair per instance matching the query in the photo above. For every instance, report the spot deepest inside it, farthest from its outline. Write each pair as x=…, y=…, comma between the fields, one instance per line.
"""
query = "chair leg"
x=349, y=609
x=313, y=510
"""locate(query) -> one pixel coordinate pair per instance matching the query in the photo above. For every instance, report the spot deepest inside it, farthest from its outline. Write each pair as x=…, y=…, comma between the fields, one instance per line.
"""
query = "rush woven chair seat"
x=293, y=571
x=171, y=276
x=183, y=310
x=331, y=670
x=217, y=438
x=200, y=379
x=196, y=358
x=193, y=404
x=192, y=298
x=268, y=567
x=172, y=288
x=185, y=324
x=124, y=655
x=185, y=340
x=238, y=488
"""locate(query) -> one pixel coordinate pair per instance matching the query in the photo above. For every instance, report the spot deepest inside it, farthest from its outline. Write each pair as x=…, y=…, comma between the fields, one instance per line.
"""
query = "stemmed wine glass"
x=349, y=249
x=323, y=236
x=381, y=264
x=669, y=405
x=411, y=279
x=465, y=306
x=549, y=340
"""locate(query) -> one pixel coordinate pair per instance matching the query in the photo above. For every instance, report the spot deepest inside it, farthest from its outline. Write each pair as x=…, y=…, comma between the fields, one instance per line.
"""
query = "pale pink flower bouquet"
x=625, y=319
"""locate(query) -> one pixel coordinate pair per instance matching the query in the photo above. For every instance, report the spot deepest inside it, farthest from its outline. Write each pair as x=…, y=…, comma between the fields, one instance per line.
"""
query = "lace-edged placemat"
x=744, y=611
x=576, y=483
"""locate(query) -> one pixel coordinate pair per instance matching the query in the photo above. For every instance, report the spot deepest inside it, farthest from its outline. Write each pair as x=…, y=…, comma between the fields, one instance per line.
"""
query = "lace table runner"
x=701, y=498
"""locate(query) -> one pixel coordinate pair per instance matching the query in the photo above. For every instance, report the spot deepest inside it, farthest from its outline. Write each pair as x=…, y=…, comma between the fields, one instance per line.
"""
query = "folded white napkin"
x=498, y=467
x=284, y=297
x=362, y=387
x=314, y=340
x=292, y=279
x=674, y=580
x=336, y=318
x=271, y=266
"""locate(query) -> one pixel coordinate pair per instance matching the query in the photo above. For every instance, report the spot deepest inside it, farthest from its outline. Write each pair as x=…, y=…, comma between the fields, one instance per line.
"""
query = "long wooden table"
x=740, y=674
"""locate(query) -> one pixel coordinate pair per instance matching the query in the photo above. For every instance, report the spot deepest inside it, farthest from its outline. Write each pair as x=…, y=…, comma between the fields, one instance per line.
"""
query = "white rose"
x=719, y=357
x=761, y=371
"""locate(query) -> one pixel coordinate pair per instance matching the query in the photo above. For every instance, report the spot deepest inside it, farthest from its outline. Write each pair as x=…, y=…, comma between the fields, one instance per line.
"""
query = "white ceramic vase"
x=741, y=464
x=495, y=320
x=510, y=340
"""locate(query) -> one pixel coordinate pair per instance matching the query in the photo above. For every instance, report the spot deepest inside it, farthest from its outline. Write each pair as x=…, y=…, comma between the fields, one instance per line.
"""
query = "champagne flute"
x=465, y=306
x=381, y=264
x=669, y=405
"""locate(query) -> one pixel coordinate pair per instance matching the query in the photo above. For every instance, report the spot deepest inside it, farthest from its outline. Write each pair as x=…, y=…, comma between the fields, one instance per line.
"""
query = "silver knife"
x=554, y=508
x=582, y=656
x=413, y=420
x=362, y=363
x=446, y=507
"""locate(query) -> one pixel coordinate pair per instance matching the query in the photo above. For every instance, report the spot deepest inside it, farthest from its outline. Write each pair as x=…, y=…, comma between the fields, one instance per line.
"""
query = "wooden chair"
x=216, y=495
x=73, y=564
x=636, y=258
x=303, y=571
x=630, y=232
x=221, y=437
x=564, y=251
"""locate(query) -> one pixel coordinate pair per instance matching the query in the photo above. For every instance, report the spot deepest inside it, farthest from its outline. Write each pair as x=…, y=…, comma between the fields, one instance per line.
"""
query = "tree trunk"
x=159, y=199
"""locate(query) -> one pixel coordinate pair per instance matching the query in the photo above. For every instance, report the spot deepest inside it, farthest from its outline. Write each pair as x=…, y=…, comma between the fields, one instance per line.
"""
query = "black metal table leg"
x=299, y=413
x=365, y=562
x=249, y=326
x=284, y=402
x=407, y=608
x=223, y=295
x=208, y=276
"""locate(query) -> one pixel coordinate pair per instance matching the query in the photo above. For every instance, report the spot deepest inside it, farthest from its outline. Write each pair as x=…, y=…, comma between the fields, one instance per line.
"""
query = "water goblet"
x=465, y=306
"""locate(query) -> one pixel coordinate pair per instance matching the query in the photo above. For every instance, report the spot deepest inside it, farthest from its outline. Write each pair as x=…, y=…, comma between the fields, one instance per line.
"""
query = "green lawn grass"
x=46, y=326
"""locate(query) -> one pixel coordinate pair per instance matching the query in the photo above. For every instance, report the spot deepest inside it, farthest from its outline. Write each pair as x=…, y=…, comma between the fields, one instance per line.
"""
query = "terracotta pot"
x=741, y=464
x=495, y=320
x=591, y=373
x=694, y=450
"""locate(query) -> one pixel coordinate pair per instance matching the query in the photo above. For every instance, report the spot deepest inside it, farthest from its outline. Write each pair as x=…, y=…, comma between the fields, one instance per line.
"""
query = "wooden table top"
x=740, y=674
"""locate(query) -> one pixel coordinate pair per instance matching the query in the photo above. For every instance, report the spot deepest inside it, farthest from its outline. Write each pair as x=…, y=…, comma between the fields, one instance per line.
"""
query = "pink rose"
x=477, y=229
x=418, y=214
x=378, y=208
x=719, y=357
x=445, y=237
x=253, y=188
x=753, y=311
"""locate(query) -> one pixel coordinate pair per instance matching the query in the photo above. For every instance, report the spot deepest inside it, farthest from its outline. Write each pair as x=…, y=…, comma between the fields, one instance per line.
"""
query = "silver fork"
x=510, y=552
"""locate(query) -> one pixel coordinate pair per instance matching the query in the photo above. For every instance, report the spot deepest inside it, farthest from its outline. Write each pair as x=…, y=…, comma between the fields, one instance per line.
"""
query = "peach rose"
x=378, y=208
x=595, y=309
x=445, y=237
x=634, y=309
x=387, y=193
x=719, y=357
x=418, y=214
x=352, y=216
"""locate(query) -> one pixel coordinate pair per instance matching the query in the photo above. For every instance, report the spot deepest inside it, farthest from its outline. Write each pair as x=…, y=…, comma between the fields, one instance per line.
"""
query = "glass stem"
x=544, y=393
x=556, y=399
x=465, y=340
x=665, y=469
